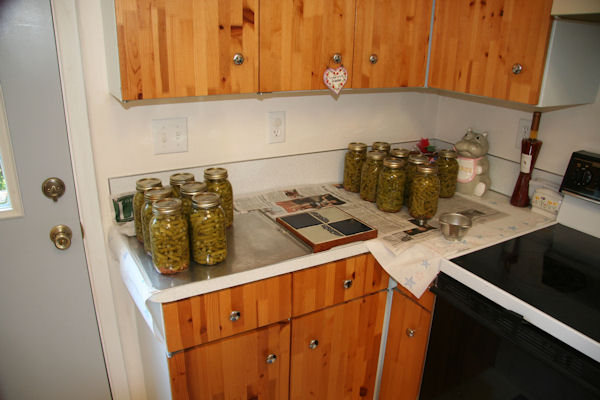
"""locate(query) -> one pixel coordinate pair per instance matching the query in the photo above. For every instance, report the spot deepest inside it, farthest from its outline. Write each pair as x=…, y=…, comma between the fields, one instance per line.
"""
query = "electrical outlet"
x=522, y=131
x=276, y=124
x=169, y=135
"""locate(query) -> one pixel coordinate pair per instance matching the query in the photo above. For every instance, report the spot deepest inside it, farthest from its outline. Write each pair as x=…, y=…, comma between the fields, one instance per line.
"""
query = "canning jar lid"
x=215, y=173
x=192, y=188
x=357, y=146
x=376, y=155
x=394, y=163
x=181, y=178
x=427, y=169
x=147, y=183
x=381, y=146
x=168, y=206
x=157, y=193
x=400, y=153
x=417, y=159
x=448, y=153
x=206, y=200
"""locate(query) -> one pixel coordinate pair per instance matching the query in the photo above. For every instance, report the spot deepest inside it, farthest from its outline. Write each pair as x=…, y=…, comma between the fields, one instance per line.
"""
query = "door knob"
x=61, y=236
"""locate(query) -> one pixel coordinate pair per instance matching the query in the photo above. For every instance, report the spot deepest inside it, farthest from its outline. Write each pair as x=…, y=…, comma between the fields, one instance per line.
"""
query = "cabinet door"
x=343, y=363
x=253, y=365
x=298, y=39
x=477, y=43
x=180, y=48
x=408, y=334
x=391, y=42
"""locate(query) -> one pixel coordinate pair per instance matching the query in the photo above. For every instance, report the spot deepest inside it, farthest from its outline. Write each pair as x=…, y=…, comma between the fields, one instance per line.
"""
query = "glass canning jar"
x=424, y=194
x=381, y=146
x=141, y=185
x=353, y=162
x=169, y=237
x=400, y=153
x=150, y=196
x=189, y=190
x=448, y=172
x=411, y=170
x=216, y=182
x=208, y=231
x=370, y=175
x=390, y=187
x=178, y=179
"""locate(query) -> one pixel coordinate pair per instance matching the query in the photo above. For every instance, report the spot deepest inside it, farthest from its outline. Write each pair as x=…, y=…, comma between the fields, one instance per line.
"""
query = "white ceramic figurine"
x=473, y=165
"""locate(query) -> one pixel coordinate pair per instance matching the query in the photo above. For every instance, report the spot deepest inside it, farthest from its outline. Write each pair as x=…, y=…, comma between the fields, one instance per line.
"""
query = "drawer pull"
x=410, y=332
x=238, y=58
x=517, y=68
x=234, y=316
x=271, y=358
x=347, y=283
x=313, y=344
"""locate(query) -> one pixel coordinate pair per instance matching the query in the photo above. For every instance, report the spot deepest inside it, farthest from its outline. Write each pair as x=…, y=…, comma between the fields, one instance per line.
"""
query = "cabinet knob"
x=517, y=68
x=410, y=332
x=238, y=58
x=234, y=316
x=271, y=358
x=373, y=58
x=347, y=283
x=313, y=344
x=337, y=58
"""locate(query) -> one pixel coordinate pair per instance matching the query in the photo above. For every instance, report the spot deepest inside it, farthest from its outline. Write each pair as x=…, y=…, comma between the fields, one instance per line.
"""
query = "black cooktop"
x=555, y=269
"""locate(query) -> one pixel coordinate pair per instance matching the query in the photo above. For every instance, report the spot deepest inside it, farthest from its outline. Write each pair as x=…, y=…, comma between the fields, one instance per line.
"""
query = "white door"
x=49, y=341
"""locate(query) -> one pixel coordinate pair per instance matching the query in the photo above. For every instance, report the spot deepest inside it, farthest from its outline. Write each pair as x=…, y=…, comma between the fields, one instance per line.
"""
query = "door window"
x=10, y=198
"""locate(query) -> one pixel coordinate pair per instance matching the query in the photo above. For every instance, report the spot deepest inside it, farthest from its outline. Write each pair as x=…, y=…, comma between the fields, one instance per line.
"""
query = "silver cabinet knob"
x=238, y=58
x=347, y=283
x=410, y=332
x=313, y=344
x=271, y=358
x=373, y=58
x=337, y=58
x=517, y=68
x=234, y=316
x=61, y=236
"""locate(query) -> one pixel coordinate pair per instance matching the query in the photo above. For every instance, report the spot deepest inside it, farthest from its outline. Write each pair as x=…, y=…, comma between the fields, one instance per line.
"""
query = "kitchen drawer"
x=204, y=318
x=336, y=282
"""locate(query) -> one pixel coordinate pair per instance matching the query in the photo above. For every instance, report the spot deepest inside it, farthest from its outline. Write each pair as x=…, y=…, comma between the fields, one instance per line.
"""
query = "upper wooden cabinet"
x=391, y=42
x=492, y=48
x=181, y=48
x=298, y=40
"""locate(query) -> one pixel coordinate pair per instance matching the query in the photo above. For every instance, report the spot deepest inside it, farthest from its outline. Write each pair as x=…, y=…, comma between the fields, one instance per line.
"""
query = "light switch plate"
x=169, y=135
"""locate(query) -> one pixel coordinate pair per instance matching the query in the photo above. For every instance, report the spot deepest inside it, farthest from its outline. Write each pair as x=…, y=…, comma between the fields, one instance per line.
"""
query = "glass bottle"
x=169, y=237
x=447, y=171
x=411, y=170
x=530, y=148
x=178, y=179
x=370, y=175
x=189, y=190
x=208, y=231
x=353, y=162
x=150, y=196
x=138, y=202
x=390, y=188
x=381, y=146
x=424, y=194
x=216, y=182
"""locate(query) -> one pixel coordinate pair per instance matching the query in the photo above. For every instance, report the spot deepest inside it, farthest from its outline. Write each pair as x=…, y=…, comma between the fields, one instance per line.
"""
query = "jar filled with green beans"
x=370, y=175
x=141, y=185
x=150, y=196
x=425, y=192
x=411, y=170
x=381, y=146
x=400, y=153
x=448, y=172
x=207, y=228
x=390, y=188
x=216, y=182
x=169, y=237
x=178, y=179
x=189, y=190
x=353, y=162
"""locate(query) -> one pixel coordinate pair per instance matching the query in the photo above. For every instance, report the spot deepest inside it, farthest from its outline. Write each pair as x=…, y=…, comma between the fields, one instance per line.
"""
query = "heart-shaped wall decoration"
x=335, y=79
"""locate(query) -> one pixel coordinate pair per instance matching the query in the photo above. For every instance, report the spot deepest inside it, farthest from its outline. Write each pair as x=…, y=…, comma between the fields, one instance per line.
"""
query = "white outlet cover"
x=522, y=131
x=276, y=127
x=169, y=135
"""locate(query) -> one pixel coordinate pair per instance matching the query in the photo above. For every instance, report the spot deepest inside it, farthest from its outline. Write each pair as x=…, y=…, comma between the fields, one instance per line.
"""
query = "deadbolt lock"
x=53, y=188
x=61, y=236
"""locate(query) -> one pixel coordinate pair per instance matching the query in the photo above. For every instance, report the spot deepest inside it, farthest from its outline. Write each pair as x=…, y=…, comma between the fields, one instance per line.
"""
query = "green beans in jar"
x=400, y=153
x=414, y=160
x=169, y=237
x=150, y=196
x=208, y=231
x=390, y=188
x=189, y=190
x=381, y=146
x=353, y=162
x=216, y=182
x=178, y=179
x=448, y=172
x=425, y=192
x=141, y=186
x=370, y=175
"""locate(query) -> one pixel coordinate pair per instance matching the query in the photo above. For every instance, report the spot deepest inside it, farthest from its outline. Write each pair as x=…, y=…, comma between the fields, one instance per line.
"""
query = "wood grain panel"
x=426, y=300
x=234, y=368
x=344, y=364
x=298, y=39
x=397, y=31
x=200, y=319
x=405, y=355
x=179, y=48
x=323, y=286
x=476, y=43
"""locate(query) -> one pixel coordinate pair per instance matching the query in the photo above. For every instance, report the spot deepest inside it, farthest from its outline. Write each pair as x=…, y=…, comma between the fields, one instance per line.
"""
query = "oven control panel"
x=582, y=177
